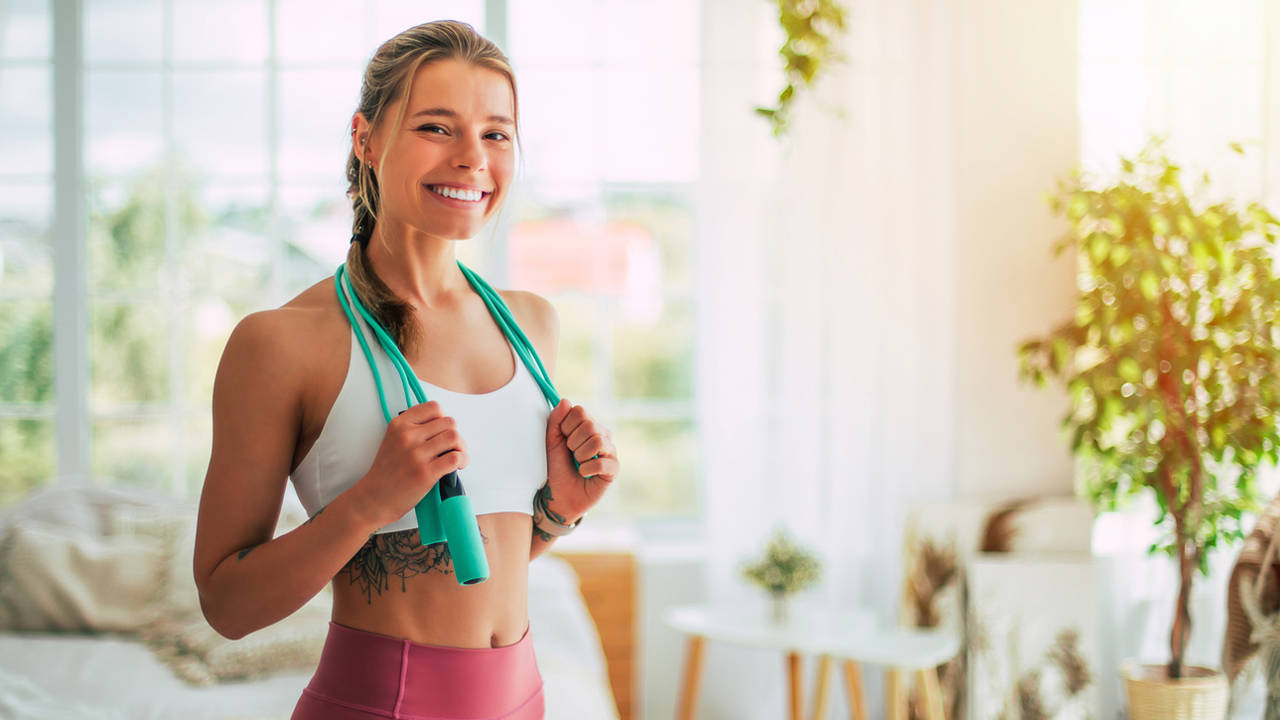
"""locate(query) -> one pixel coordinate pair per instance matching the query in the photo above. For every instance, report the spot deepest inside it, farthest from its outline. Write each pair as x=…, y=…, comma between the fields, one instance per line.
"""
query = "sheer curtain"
x=826, y=321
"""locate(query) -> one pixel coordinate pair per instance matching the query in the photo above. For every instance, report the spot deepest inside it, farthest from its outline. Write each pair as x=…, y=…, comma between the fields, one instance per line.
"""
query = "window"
x=212, y=185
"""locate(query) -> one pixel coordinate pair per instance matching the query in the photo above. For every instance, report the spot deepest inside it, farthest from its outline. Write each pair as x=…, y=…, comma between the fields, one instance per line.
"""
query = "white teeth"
x=456, y=193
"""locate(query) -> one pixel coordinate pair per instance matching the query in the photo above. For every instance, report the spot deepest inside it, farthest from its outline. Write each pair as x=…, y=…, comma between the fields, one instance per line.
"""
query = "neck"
x=422, y=269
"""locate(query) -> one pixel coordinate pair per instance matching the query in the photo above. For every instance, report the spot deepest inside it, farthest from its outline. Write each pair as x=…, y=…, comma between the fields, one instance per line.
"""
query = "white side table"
x=900, y=650
x=804, y=633
x=851, y=636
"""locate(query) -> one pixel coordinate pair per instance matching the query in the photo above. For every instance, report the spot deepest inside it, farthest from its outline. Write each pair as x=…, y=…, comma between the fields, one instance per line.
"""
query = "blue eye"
x=500, y=136
x=431, y=128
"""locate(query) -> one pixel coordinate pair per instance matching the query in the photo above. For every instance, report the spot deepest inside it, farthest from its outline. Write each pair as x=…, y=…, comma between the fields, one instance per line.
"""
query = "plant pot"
x=1201, y=693
x=779, y=609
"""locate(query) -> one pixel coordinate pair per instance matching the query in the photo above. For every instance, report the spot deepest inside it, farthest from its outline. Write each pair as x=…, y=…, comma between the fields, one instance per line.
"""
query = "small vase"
x=778, y=607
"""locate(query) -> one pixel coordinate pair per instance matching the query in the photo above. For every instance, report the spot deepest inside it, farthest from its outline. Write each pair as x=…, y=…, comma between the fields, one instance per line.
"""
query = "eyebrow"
x=446, y=112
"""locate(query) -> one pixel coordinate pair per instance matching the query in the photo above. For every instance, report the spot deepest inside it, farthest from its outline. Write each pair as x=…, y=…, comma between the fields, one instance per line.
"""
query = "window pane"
x=567, y=32
x=123, y=30
x=227, y=251
x=126, y=232
x=199, y=429
x=667, y=221
x=226, y=30
x=628, y=30
x=26, y=30
x=207, y=324
x=559, y=131
x=552, y=251
x=124, y=122
x=136, y=453
x=315, y=122
x=128, y=354
x=657, y=113
x=653, y=352
x=26, y=120
x=574, y=375
x=220, y=121
x=26, y=262
x=26, y=351
x=392, y=16
x=660, y=464
x=26, y=457
x=315, y=222
x=307, y=34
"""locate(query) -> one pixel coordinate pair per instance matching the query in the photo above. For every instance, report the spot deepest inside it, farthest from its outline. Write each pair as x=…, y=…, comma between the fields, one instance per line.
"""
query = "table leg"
x=688, y=707
x=820, y=692
x=853, y=678
x=797, y=693
x=928, y=679
x=896, y=701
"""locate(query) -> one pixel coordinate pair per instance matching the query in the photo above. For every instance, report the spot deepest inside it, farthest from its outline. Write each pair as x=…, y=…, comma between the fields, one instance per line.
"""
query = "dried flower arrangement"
x=785, y=569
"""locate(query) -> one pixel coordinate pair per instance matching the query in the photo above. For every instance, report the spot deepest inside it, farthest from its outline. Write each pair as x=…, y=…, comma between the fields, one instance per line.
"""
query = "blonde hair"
x=388, y=78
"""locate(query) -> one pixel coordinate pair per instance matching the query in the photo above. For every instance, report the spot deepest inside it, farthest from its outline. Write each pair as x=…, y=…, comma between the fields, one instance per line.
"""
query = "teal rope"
x=409, y=381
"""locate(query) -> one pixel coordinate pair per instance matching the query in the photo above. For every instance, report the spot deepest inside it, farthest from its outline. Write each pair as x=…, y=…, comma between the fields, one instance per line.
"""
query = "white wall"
x=1013, y=94
x=1016, y=131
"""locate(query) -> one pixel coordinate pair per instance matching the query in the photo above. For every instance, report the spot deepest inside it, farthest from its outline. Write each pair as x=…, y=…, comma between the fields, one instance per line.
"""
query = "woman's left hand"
x=572, y=433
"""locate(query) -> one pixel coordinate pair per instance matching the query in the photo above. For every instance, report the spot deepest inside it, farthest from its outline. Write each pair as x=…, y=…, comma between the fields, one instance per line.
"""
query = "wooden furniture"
x=852, y=637
x=608, y=583
x=901, y=651
x=801, y=635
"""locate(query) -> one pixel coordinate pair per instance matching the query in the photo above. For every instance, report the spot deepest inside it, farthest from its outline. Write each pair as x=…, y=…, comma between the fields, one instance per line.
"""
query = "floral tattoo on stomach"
x=395, y=554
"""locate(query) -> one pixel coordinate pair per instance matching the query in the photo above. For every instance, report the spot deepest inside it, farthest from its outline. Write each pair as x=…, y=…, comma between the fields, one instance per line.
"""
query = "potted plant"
x=1173, y=372
x=784, y=570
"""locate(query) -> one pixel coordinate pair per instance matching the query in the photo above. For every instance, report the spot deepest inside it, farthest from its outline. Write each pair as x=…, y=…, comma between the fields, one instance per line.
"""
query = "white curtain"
x=826, y=329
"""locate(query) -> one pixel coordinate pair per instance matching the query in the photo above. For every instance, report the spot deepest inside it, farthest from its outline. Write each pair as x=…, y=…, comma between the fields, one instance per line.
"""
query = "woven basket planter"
x=1201, y=693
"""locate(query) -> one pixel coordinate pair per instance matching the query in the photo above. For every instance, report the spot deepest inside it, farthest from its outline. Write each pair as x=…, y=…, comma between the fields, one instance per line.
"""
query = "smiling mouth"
x=454, y=193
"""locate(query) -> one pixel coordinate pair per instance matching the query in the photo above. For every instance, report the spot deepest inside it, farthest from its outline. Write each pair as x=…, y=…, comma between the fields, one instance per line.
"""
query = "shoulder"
x=537, y=317
x=280, y=343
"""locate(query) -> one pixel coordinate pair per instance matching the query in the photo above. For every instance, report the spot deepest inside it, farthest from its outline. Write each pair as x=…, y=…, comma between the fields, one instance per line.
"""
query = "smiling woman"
x=431, y=161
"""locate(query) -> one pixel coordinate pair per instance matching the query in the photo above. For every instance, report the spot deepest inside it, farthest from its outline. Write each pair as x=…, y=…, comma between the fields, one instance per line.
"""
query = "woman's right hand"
x=421, y=446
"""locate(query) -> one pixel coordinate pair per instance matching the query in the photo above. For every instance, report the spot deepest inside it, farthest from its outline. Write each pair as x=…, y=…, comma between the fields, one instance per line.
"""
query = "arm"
x=247, y=580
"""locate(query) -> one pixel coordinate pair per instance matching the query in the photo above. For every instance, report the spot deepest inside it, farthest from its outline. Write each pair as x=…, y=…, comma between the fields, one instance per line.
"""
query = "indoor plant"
x=784, y=570
x=1171, y=362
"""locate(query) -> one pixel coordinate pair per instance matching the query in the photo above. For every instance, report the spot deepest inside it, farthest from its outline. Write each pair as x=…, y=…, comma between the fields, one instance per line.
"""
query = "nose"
x=469, y=154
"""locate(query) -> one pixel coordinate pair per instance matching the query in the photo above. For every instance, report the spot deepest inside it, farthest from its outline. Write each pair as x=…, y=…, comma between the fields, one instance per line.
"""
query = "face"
x=449, y=164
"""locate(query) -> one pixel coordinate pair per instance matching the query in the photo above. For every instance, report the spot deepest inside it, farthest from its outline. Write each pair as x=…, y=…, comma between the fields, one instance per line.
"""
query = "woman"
x=432, y=159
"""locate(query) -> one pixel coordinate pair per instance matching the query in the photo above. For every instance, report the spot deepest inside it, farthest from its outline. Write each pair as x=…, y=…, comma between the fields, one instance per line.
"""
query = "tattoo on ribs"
x=246, y=551
x=400, y=554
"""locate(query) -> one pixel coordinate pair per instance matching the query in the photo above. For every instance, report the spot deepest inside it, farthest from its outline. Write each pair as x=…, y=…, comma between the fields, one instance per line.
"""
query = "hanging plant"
x=811, y=27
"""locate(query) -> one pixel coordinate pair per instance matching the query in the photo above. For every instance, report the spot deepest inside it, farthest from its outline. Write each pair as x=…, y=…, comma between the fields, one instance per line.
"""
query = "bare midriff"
x=398, y=587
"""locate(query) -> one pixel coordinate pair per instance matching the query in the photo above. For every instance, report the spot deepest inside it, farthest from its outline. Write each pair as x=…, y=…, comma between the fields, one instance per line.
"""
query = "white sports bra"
x=505, y=431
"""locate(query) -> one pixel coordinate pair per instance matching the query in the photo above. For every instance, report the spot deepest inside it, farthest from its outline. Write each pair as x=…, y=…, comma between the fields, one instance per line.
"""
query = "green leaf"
x=1129, y=369
x=1099, y=247
x=1149, y=284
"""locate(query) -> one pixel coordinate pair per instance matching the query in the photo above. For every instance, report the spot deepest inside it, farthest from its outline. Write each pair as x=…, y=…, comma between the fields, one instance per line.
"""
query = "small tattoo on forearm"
x=313, y=517
x=246, y=551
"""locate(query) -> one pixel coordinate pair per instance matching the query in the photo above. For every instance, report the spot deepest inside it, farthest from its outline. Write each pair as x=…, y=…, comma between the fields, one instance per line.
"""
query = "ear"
x=362, y=137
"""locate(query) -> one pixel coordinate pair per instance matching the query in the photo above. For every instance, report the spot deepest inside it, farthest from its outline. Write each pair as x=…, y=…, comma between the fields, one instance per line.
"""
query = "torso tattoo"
x=399, y=553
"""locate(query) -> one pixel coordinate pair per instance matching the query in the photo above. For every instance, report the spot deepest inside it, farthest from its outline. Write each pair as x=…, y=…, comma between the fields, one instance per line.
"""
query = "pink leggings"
x=369, y=675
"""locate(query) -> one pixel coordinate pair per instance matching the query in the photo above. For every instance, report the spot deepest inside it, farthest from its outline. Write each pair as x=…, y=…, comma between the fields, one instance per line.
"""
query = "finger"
x=556, y=417
x=595, y=445
x=601, y=468
x=420, y=413
x=583, y=432
x=577, y=415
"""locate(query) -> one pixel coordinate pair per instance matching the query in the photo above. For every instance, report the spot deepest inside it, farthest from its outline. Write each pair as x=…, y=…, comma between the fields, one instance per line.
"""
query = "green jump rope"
x=445, y=514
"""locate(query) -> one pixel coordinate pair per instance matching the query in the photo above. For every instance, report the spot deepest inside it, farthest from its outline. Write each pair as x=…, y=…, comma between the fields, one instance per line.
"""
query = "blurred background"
x=814, y=331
